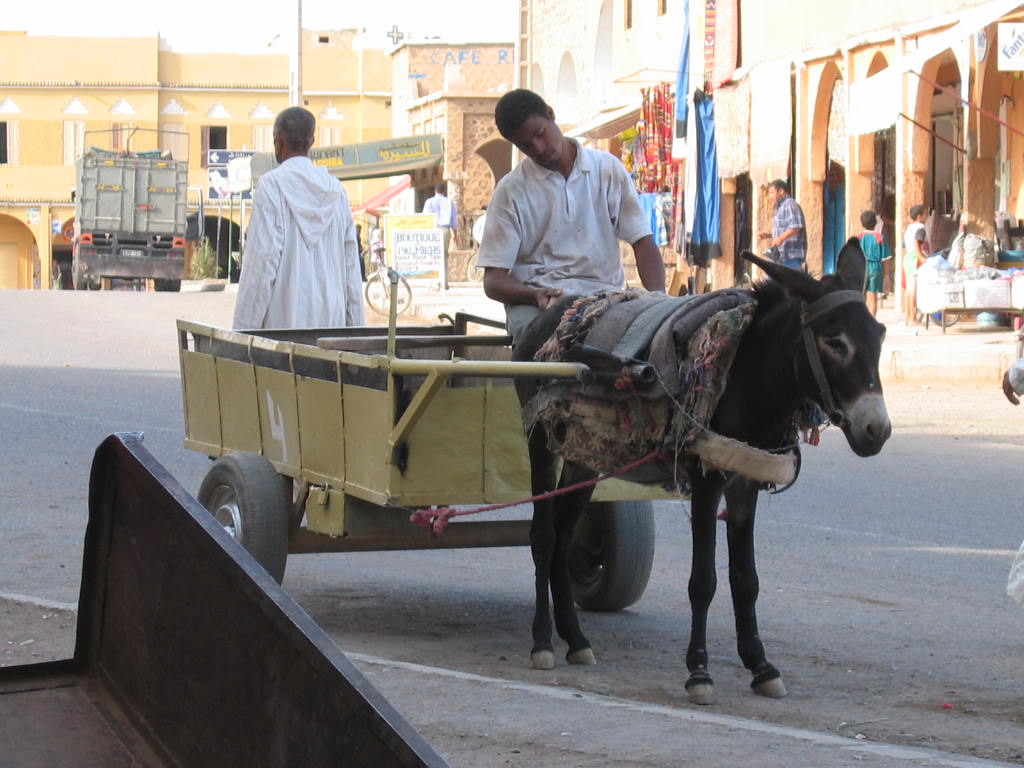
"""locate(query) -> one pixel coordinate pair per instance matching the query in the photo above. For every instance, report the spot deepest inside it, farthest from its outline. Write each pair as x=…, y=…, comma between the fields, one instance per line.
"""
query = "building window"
x=174, y=139
x=214, y=137
x=662, y=7
x=74, y=140
x=3, y=144
x=330, y=136
x=263, y=138
x=119, y=136
x=629, y=14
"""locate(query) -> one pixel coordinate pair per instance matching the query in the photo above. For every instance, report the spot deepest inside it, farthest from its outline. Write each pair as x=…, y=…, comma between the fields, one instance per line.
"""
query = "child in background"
x=875, y=252
x=915, y=252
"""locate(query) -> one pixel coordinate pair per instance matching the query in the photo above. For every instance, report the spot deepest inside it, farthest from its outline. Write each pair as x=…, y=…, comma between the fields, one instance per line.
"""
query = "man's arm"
x=649, y=263
x=784, y=236
x=501, y=286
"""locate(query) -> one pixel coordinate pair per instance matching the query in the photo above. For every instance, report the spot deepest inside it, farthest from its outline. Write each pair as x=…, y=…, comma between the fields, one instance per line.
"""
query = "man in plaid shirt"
x=789, y=233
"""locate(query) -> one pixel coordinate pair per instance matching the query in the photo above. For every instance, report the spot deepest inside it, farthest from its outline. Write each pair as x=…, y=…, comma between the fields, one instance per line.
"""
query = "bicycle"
x=378, y=289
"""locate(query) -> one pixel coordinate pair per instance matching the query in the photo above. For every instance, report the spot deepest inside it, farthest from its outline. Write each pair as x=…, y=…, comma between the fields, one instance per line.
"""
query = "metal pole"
x=295, y=60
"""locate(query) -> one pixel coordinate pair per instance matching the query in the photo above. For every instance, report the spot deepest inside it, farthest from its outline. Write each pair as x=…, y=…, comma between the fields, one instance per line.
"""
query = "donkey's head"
x=837, y=359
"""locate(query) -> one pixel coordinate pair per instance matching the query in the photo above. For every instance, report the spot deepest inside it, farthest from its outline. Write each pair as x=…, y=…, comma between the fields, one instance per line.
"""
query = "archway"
x=61, y=253
x=497, y=153
x=566, y=103
x=224, y=236
x=825, y=195
x=601, y=76
x=17, y=253
x=944, y=190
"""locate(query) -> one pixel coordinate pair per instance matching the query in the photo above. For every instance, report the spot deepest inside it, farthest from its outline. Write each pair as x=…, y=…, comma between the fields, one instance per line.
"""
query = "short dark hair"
x=296, y=125
x=515, y=108
x=917, y=210
x=780, y=184
x=441, y=188
x=868, y=219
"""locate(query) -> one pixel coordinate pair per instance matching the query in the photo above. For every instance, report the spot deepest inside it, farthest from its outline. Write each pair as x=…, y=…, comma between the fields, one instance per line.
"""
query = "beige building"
x=876, y=105
x=58, y=94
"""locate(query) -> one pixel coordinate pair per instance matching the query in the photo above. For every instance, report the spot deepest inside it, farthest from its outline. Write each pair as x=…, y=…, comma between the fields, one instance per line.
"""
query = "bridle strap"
x=815, y=311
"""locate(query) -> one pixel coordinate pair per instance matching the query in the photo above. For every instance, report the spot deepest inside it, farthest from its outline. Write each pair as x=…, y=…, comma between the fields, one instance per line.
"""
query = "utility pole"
x=295, y=60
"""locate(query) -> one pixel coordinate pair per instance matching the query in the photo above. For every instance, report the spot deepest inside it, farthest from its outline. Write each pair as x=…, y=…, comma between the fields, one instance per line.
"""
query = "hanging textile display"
x=706, y=240
x=647, y=154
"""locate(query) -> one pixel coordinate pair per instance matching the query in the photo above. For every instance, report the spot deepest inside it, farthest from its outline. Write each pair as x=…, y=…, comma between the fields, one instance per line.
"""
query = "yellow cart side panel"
x=279, y=418
x=368, y=417
x=506, y=469
x=239, y=415
x=202, y=419
x=321, y=430
x=445, y=451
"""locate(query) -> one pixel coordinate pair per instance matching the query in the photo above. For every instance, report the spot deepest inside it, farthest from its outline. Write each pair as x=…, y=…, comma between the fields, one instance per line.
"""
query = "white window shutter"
x=12, y=142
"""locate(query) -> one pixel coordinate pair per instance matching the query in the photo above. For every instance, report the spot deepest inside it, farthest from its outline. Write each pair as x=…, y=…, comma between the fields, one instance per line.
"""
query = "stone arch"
x=18, y=253
x=537, y=80
x=497, y=153
x=812, y=199
x=601, y=70
x=566, y=102
x=224, y=235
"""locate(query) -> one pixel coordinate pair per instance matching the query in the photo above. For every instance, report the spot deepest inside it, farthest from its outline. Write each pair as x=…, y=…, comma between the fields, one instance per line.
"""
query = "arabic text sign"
x=415, y=245
x=218, y=162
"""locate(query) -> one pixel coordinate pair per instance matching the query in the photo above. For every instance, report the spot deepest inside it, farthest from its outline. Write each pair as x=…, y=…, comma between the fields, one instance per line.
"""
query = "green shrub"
x=204, y=262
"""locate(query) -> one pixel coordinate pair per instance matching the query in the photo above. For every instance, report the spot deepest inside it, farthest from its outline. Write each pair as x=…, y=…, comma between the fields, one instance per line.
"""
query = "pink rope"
x=438, y=517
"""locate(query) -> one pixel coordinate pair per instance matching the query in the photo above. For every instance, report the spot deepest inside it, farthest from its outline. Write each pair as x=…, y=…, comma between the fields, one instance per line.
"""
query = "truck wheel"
x=250, y=500
x=611, y=556
x=167, y=285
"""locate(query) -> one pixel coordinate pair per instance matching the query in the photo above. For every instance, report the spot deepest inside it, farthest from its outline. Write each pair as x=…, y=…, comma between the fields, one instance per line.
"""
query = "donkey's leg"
x=707, y=492
x=741, y=497
x=542, y=543
x=567, y=511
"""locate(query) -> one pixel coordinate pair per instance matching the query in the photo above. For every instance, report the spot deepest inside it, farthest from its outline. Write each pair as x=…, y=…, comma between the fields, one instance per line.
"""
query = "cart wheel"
x=250, y=500
x=474, y=274
x=611, y=556
x=378, y=294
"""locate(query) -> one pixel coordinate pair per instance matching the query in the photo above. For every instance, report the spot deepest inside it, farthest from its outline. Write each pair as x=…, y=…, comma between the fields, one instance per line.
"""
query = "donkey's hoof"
x=582, y=656
x=773, y=689
x=701, y=693
x=542, y=660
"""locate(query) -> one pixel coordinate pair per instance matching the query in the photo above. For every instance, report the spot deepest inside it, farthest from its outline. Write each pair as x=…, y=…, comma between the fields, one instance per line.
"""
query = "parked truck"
x=130, y=212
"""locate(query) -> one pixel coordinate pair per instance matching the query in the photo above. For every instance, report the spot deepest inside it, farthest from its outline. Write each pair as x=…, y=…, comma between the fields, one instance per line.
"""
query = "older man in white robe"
x=301, y=264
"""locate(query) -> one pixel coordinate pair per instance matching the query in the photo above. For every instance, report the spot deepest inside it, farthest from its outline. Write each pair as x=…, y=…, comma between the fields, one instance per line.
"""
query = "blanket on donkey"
x=608, y=422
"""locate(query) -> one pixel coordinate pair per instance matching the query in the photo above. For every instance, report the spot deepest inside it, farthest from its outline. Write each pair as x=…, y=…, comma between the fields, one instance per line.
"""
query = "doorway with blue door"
x=834, y=234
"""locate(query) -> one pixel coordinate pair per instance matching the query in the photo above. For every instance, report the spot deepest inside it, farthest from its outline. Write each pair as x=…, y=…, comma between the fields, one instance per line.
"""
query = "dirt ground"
x=875, y=698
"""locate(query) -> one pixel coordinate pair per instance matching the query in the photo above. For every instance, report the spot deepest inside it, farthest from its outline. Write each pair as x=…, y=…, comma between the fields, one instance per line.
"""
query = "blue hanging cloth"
x=683, y=76
x=706, y=241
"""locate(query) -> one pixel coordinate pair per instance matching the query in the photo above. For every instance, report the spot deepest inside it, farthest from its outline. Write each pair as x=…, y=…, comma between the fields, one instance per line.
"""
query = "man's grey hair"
x=297, y=126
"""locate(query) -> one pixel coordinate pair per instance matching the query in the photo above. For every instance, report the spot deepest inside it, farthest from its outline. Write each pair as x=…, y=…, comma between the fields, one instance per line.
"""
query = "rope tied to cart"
x=437, y=517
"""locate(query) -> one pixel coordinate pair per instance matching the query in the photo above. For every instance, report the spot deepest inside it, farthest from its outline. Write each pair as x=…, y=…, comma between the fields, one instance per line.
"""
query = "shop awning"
x=771, y=100
x=369, y=159
x=876, y=102
x=608, y=123
x=379, y=200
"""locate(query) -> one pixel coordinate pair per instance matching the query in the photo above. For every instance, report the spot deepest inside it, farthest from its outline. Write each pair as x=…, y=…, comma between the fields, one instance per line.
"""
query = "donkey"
x=808, y=340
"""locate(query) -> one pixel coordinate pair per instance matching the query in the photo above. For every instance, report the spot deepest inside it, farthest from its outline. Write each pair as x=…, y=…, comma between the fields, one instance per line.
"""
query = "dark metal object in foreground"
x=188, y=653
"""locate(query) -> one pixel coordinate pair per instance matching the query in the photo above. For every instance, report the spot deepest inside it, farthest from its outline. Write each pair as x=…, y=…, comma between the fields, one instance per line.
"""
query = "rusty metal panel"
x=239, y=414
x=321, y=430
x=279, y=419
x=326, y=512
x=202, y=418
x=445, y=462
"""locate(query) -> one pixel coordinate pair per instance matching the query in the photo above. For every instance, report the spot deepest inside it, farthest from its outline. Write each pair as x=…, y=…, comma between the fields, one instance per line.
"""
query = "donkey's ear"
x=851, y=266
x=797, y=283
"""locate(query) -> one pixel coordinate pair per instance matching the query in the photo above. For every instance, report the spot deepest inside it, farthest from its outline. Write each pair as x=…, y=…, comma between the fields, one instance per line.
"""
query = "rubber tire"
x=474, y=274
x=612, y=553
x=261, y=499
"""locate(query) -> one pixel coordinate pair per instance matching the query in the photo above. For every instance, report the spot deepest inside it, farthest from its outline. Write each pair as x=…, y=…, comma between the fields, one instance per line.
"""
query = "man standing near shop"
x=555, y=221
x=445, y=219
x=301, y=264
x=789, y=233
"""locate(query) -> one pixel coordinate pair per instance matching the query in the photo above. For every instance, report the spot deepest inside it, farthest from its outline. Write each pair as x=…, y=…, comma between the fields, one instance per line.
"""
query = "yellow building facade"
x=59, y=95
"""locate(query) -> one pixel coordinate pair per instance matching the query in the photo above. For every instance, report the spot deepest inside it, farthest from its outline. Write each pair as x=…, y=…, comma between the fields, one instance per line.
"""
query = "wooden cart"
x=326, y=439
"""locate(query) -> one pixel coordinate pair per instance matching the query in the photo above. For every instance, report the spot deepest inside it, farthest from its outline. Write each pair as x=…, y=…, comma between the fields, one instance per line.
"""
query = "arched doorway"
x=224, y=236
x=60, y=248
x=17, y=253
x=833, y=154
x=497, y=153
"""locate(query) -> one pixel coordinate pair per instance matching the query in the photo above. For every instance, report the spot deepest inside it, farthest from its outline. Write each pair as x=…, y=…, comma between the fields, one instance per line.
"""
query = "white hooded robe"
x=301, y=264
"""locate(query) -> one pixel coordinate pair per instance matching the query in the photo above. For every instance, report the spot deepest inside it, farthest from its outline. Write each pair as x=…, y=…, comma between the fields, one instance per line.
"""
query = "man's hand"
x=501, y=286
x=764, y=235
x=546, y=296
x=1008, y=390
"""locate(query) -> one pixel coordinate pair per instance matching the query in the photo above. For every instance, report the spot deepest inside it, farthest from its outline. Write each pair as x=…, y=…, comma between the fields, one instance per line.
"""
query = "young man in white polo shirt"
x=555, y=221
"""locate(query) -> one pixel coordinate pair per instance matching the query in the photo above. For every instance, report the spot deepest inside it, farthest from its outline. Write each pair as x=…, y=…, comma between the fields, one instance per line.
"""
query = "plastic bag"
x=1015, y=584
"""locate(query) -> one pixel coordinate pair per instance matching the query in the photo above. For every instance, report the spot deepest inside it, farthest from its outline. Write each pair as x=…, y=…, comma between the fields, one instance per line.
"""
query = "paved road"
x=882, y=579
